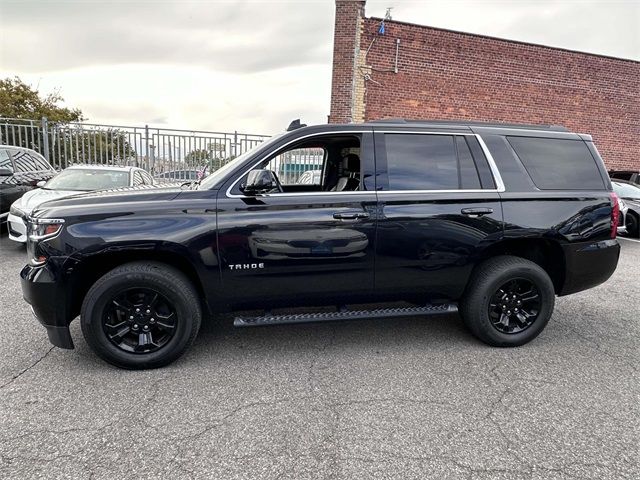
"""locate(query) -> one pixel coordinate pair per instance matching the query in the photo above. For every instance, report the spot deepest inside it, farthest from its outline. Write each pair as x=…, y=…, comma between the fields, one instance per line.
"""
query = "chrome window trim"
x=263, y=158
x=497, y=178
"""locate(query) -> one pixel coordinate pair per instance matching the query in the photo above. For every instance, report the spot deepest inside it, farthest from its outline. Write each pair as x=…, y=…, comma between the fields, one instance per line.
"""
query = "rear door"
x=439, y=206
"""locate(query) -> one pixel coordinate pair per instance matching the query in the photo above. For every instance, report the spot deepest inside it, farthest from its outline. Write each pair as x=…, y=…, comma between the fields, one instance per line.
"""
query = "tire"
x=633, y=225
x=171, y=298
x=487, y=281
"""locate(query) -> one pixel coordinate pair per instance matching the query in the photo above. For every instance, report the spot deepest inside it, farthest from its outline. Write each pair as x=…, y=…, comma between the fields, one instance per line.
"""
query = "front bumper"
x=49, y=303
x=17, y=228
x=588, y=264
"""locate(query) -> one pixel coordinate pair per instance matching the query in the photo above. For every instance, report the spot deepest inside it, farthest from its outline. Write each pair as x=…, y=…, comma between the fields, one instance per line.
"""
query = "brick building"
x=443, y=74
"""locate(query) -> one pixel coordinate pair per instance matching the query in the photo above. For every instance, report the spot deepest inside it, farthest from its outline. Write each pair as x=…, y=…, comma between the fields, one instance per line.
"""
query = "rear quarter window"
x=558, y=164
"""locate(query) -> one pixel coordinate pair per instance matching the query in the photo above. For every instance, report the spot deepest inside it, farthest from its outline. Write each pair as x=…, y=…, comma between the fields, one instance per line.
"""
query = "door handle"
x=476, y=212
x=350, y=215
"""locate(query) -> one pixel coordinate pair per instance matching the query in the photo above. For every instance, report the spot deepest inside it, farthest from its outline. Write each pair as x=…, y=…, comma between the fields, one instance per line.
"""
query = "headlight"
x=43, y=228
x=16, y=211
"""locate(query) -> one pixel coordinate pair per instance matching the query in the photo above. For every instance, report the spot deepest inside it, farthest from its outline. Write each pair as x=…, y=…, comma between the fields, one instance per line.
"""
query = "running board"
x=343, y=315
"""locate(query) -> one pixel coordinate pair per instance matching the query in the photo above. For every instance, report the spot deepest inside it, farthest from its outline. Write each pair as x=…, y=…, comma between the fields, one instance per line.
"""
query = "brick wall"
x=452, y=75
x=346, y=42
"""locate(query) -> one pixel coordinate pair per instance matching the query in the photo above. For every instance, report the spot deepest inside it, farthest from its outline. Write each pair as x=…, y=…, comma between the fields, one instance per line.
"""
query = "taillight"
x=615, y=215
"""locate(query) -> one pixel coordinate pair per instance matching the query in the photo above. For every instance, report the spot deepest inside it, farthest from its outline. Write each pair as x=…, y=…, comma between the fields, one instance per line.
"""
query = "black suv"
x=21, y=170
x=407, y=218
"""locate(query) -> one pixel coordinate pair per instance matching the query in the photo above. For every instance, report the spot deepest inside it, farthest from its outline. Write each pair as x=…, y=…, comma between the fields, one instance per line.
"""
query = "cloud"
x=244, y=37
x=250, y=66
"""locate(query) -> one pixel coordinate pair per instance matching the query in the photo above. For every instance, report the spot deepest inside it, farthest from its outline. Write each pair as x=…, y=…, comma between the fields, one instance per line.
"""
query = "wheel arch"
x=94, y=266
x=546, y=253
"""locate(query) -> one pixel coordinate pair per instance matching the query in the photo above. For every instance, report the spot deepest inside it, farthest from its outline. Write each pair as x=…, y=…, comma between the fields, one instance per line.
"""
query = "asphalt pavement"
x=404, y=398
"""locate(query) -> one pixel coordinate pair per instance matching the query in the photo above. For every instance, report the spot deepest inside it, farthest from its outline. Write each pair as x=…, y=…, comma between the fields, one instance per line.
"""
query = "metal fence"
x=168, y=154
x=158, y=150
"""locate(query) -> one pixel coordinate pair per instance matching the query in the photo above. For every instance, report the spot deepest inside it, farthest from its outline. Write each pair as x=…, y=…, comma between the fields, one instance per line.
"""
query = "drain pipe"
x=395, y=68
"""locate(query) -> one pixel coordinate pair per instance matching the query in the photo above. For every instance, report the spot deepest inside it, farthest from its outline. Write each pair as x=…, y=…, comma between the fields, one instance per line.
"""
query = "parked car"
x=310, y=177
x=177, y=176
x=490, y=220
x=71, y=181
x=21, y=169
x=630, y=194
x=632, y=176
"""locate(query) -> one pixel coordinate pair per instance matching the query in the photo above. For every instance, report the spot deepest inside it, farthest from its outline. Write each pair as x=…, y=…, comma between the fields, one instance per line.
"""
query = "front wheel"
x=508, y=301
x=141, y=315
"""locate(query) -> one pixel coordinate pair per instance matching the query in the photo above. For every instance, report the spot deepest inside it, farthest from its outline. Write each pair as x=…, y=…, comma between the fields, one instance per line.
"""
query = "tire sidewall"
x=101, y=294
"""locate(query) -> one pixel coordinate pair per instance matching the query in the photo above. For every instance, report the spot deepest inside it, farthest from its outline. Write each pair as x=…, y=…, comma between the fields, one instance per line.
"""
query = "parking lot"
x=410, y=398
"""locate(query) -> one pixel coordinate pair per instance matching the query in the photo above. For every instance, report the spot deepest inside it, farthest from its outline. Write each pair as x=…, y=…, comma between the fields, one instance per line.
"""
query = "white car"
x=71, y=181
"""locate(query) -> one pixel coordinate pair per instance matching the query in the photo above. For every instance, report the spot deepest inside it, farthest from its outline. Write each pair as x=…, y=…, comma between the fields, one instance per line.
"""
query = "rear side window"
x=137, y=178
x=421, y=162
x=556, y=164
x=433, y=162
x=24, y=162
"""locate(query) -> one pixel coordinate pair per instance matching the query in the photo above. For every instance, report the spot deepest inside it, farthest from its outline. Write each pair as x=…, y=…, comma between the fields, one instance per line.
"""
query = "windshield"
x=84, y=179
x=626, y=190
x=218, y=176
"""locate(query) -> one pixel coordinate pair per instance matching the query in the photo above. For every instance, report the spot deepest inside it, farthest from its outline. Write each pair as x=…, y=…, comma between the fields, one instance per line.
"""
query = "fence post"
x=235, y=144
x=45, y=138
x=146, y=148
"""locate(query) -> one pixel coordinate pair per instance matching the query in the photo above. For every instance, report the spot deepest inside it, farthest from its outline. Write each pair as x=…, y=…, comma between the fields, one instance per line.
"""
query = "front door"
x=313, y=241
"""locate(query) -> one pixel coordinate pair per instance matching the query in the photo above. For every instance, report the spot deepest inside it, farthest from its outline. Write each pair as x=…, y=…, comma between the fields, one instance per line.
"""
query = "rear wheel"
x=141, y=315
x=508, y=301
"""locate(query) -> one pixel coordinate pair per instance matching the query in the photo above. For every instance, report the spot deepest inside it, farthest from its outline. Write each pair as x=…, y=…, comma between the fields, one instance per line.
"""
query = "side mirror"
x=259, y=181
x=6, y=172
x=41, y=184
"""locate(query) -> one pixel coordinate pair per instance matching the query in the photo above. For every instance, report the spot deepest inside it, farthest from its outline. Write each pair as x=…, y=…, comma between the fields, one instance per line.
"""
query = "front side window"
x=291, y=165
x=327, y=163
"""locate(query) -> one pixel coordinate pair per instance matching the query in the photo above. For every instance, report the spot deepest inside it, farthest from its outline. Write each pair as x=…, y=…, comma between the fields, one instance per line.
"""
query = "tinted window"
x=421, y=162
x=486, y=177
x=137, y=178
x=622, y=176
x=556, y=164
x=469, y=177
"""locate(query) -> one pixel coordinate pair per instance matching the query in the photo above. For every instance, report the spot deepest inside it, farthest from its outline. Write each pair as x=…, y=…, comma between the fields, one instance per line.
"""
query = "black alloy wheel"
x=514, y=306
x=508, y=301
x=140, y=320
x=141, y=315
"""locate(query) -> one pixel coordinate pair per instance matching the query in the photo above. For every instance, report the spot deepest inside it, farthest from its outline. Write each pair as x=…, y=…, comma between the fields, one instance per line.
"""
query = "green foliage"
x=19, y=100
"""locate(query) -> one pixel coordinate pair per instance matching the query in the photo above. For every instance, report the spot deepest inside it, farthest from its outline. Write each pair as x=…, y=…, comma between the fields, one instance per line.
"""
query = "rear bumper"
x=49, y=303
x=588, y=264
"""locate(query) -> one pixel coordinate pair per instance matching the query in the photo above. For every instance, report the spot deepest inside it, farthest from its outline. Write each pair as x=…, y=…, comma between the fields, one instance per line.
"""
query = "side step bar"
x=343, y=315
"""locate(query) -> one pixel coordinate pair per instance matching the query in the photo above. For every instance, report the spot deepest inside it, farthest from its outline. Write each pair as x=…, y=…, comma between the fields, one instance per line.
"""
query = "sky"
x=250, y=66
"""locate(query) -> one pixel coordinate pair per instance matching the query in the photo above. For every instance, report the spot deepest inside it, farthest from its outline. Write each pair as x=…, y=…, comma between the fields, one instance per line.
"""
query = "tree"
x=23, y=109
x=213, y=156
x=19, y=100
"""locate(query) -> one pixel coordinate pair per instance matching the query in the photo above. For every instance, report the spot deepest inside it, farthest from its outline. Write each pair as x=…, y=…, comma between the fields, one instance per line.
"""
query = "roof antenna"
x=295, y=125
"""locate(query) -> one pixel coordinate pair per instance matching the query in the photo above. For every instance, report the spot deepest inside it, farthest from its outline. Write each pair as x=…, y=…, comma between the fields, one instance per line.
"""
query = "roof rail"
x=464, y=123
